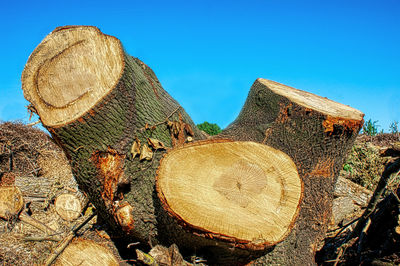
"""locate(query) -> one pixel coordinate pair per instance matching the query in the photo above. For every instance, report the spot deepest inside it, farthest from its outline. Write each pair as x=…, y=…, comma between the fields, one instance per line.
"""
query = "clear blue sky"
x=208, y=53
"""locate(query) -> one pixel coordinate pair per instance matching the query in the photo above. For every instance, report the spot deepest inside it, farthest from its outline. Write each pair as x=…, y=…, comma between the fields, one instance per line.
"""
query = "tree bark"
x=98, y=143
x=115, y=122
x=317, y=134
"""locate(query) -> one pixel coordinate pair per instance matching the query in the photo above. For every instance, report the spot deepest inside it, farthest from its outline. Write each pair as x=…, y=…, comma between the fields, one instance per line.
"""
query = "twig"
x=344, y=227
x=24, y=217
x=362, y=236
x=65, y=242
x=35, y=199
x=41, y=238
x=389, y=170
x=133, y=244
x=395, y=196
x=33, y=123
x=162, y=122
x=80, y=147
x=11, y=162
x=339, y=255
x=34, y=170
x=363, y=222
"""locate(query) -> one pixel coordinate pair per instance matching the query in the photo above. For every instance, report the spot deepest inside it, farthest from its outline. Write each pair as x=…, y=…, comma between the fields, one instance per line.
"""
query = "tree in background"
x=370, y=128
x=210, y=128
x=394, y=128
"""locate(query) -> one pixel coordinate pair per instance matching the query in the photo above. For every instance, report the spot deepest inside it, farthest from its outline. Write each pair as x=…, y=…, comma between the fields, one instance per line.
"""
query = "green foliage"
x=394, y=127
x=347, y=167
x=210, y=128
x=370, y=128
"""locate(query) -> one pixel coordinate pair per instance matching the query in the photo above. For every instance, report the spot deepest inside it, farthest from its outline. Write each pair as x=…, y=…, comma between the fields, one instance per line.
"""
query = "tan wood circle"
x=243, y=190
x=71, y=70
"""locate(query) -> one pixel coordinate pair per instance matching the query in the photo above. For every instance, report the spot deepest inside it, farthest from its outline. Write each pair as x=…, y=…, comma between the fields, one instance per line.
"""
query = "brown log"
x=113, y=119
x=317, y=134
x=97, y=102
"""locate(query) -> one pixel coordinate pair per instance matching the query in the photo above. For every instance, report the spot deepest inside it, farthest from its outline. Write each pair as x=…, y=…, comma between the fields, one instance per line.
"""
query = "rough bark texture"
x=122, y=186
x=98, y=147
x=317, y=143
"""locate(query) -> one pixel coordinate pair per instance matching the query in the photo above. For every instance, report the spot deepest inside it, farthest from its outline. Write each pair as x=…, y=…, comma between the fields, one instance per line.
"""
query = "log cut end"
x=312, y=101
x=240, y=192
x=79, y=65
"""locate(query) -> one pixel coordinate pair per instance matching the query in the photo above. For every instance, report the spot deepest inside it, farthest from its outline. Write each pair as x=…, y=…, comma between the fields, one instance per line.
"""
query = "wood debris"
x=146, y=153
x=135, y=149
x=68, y=207
x=155, y=143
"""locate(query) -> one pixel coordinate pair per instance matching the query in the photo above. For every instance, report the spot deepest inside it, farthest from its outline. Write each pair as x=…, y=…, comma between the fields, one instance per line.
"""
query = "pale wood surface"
x=314, y=102
x=79, y=65
x=244, y=190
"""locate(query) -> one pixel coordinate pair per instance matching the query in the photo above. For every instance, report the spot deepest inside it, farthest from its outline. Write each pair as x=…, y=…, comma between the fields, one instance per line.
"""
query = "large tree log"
x=97, y=101
x=316, y=133
x=114, y=120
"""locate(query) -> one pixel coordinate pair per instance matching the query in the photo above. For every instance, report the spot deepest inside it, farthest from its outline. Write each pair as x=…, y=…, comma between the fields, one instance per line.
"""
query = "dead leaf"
x=135, y=150
x=156, y=144
x=189, y=130
x=176, y=127
x=181, y=132
x=146, y=153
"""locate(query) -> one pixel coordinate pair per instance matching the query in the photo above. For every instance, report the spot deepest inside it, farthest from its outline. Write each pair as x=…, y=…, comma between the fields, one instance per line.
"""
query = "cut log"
x=86, y=252
x=68, y=207
x=317, y=134
x=98, y=103
x=11, y=202
x=239, y=192
x=113, y=119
